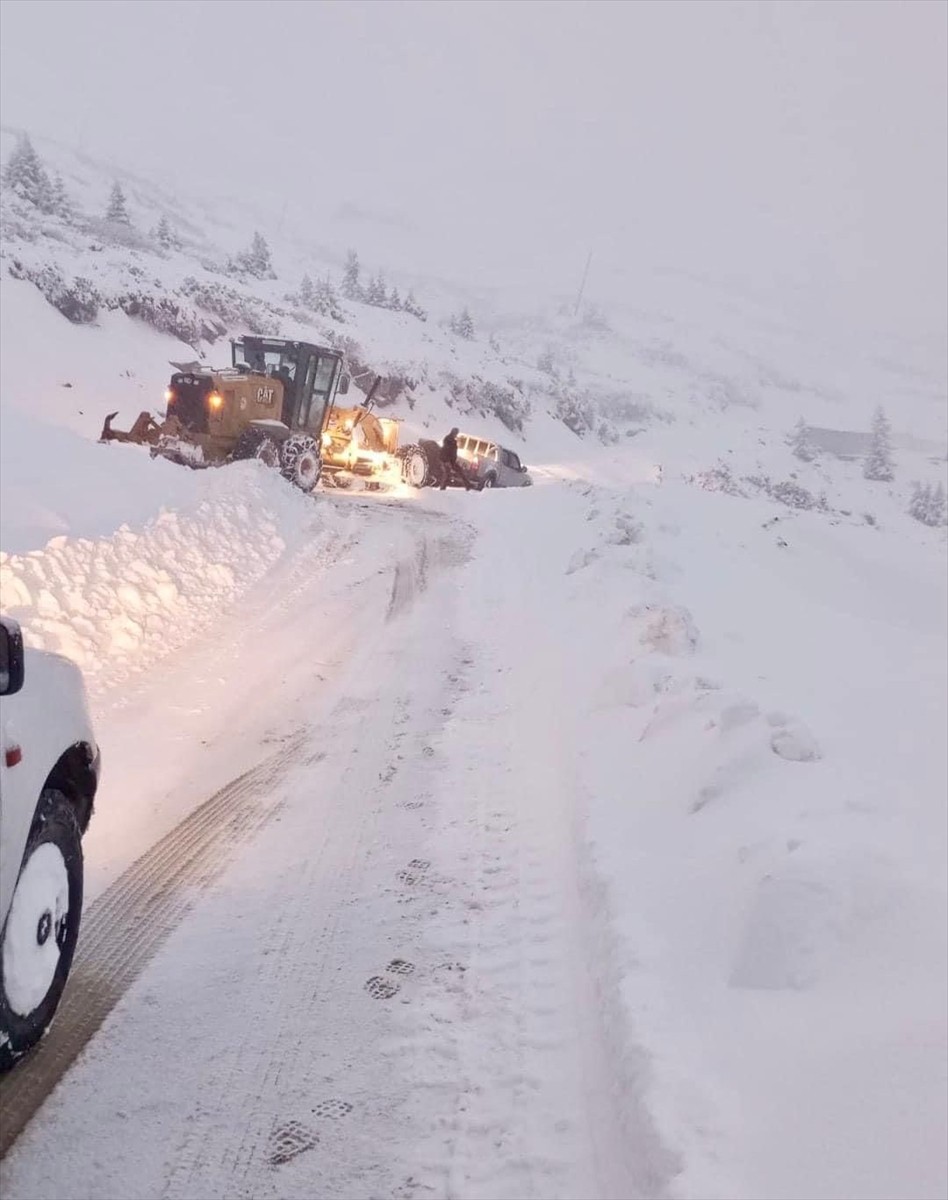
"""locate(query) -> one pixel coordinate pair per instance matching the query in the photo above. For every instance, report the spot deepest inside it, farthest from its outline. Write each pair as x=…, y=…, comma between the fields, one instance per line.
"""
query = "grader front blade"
x=145, y=432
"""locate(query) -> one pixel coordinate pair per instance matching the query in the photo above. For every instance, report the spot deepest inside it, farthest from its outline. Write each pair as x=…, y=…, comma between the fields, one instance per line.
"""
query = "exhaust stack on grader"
x=276, y=402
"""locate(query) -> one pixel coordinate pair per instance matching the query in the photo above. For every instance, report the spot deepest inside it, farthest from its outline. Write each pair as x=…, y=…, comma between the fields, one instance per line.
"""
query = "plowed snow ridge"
x=115, y=604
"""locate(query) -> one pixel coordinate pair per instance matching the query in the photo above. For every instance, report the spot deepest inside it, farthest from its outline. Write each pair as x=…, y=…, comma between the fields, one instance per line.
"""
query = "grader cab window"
x=305, y=418
x=317, y=393
x=324, y=374
x=279, y=365
x=274, y=360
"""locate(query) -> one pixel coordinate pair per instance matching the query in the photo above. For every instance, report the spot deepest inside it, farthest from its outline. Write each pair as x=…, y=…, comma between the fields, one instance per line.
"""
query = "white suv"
x=49, y=770
x=491, y=465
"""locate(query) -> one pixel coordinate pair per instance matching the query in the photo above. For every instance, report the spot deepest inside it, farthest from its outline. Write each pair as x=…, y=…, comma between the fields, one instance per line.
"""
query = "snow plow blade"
x=145, y=432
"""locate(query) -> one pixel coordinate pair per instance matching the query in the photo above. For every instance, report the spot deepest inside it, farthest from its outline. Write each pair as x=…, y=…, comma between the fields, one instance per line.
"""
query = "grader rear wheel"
x=301, y=462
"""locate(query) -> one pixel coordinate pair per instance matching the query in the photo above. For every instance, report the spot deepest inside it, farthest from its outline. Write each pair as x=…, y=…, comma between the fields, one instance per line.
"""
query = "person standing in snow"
x=450, y=467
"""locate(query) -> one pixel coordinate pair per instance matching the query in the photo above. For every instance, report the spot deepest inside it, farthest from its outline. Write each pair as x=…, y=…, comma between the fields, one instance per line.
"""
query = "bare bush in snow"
x=717, y=479
x=77, y=299
x=793, y=495
x=167, y=316
x=787, y=492
x=486, y=398
x=233, y=308
x=574, y=411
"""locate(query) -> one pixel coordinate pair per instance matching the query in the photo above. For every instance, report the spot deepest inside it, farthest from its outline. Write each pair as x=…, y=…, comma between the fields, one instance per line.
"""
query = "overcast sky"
x=800, y=144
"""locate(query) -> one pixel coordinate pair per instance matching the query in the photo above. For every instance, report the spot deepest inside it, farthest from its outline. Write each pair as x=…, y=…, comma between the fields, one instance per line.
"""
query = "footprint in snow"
x=380, y=988
x=288, y=1140
x=332, y=1109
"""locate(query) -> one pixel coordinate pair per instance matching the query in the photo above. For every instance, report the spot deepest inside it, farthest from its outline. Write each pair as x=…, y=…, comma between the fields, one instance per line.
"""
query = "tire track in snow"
x=300, y=951
x=320, y=998
x=126, y=926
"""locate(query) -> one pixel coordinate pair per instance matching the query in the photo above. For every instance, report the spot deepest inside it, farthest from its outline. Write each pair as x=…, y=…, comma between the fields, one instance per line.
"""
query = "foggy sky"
x=798, y=146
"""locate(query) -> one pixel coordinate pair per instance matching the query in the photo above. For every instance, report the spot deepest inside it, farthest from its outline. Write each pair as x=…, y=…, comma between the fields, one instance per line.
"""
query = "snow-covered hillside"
x=660, y=739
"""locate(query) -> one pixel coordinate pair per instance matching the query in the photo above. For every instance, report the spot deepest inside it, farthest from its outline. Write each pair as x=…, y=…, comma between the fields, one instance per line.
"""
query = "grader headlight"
x=215, y=401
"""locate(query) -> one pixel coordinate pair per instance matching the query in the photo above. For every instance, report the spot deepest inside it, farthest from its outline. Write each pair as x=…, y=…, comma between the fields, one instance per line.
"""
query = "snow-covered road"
x=366, y=968
x=512, y=845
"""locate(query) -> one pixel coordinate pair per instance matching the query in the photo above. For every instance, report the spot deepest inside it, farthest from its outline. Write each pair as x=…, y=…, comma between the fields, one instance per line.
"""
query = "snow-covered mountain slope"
x=678, y=347
x=668, y=726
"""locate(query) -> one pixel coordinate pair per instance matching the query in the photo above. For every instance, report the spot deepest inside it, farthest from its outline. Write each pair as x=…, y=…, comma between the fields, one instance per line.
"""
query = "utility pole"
x=582, y=286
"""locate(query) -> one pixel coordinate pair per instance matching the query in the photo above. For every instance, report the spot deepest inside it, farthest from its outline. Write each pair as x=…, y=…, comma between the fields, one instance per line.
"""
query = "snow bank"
x=764, y=750
x=115, y=604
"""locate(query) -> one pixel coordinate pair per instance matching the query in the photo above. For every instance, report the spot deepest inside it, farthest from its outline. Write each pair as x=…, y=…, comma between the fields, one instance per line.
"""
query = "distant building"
x=850, y=444
x=843, y=443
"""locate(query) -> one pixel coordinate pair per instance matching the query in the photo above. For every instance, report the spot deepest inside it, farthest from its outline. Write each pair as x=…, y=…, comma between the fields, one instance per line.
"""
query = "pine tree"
x=258, y=260
x=920, y=502
x=378, y=293
x=412, y=306
x=394, y=301
x=801, y=444
x=26, y=176
x=307, y=292
x=463, y=325
x=61, y=205
x=878, y=464
x=327, y=300
x=928, y=504
x=163, y=235
x=494, y=343
x=351, y=286
x=117, y=212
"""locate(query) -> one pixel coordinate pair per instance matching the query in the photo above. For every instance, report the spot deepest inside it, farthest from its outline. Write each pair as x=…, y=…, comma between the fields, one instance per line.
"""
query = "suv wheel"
x=489, y=481
x=41, y=929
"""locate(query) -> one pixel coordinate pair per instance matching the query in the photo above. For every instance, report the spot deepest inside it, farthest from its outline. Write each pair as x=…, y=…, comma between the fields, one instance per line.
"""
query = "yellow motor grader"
x=276, y=402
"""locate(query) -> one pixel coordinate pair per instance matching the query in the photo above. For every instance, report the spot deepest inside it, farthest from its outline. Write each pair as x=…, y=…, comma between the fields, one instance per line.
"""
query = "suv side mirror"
x=343, y=387
x=11, y=657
